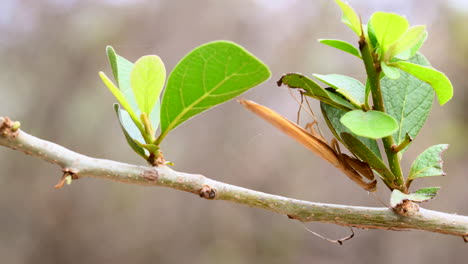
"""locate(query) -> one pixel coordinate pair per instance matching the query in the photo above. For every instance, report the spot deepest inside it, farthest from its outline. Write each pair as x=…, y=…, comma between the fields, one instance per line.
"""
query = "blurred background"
x=51, y=52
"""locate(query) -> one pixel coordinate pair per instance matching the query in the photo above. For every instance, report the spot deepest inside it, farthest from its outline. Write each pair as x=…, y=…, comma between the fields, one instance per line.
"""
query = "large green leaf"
x=439, y=82
x=147, y=80
x=387, y=28
x=209, y=75
x=370, y=124
x=429, y=163
x=365, y=154
x=350, y=17
x=421, y=195
x=350, y=88
x=333, y=115
x=312, y=89
x=341, y=45
x=130, y=131
x=408, y=100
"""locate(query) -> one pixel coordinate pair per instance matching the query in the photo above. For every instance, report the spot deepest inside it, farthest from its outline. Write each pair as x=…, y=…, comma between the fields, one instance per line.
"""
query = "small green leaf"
x=371, y=35
x=350, y=88
x=121, y=69
x=155, y=115
x=367, y=93
x=350, y=17
x=421, y=195
x=387, y=28
x=411, y=38
x=207, y=76
x=112, y=56
x=333, y=115
x=429, y=163
x=389, y=71
x=358, y=148
x=408, y=100
x=120, y=97
x=312, y=89
x=130, y=131
x=147, y=80
x=341, y=45
x=408, y=54
x=439, y=82
x=370, y=124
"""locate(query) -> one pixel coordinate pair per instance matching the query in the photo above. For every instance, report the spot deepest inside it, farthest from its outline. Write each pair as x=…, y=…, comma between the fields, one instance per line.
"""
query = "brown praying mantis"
x=310, y=138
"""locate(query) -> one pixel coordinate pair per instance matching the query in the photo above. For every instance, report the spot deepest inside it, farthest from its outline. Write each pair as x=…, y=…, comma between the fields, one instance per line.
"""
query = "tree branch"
x=79, y=166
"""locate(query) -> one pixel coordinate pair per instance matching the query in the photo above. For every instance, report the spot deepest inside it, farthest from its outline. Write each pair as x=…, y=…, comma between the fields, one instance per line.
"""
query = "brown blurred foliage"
x=50, y=54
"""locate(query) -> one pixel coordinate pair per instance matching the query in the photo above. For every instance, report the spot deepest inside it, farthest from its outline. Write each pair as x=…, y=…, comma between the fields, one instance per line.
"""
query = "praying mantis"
x=309, y=137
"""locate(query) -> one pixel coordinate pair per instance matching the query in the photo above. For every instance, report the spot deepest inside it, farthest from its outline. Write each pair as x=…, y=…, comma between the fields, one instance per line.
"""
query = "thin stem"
x=161, y=137
x=148, y=128
x=403, y=144
x=373, y=74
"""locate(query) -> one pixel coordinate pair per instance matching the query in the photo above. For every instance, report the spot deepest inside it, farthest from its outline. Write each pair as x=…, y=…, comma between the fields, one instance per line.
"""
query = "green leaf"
x=341, y=45
x=312, y=89
x=147, y=80
x=407, y=54
x=121, y=68
x=408, y=100
x=120, y=97
x=387, y=28
x=370, y=124
x=411, y=38
x=350, y=17
x=391, y=72
x=371, y=35
x=421, y=195
x=439, y=82
x=130, y=131
x=209, y=75
x=333, y=115
x=429, y=163
x=350, y=88
x=358, y=148
x=367, y=93
x=155, y=115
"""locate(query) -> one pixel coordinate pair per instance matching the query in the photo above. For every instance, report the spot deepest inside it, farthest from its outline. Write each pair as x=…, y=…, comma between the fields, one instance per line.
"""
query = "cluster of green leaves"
x=207, y=76
x=402, y=85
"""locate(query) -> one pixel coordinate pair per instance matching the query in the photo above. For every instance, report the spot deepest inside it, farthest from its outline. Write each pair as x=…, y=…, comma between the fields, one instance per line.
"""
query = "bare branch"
x=77, y=166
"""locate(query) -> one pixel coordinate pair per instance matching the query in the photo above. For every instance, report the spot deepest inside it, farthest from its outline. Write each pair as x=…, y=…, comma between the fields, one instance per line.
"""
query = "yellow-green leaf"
x=119, y=96
x=147, y=81
x=410, y=38
x=350, y=17
x=387, y=28
x=439, y=82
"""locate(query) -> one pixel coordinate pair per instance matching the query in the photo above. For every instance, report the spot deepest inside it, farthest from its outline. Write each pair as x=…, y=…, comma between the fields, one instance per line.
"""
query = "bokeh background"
x=50, y=54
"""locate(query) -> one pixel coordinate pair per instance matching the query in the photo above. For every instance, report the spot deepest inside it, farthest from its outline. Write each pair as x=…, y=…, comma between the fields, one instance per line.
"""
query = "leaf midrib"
x=208, y=93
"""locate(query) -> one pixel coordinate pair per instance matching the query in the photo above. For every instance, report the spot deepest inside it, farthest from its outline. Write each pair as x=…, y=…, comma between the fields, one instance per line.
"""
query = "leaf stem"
x=148, y=128
x=403, y=144
x=373, y=74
